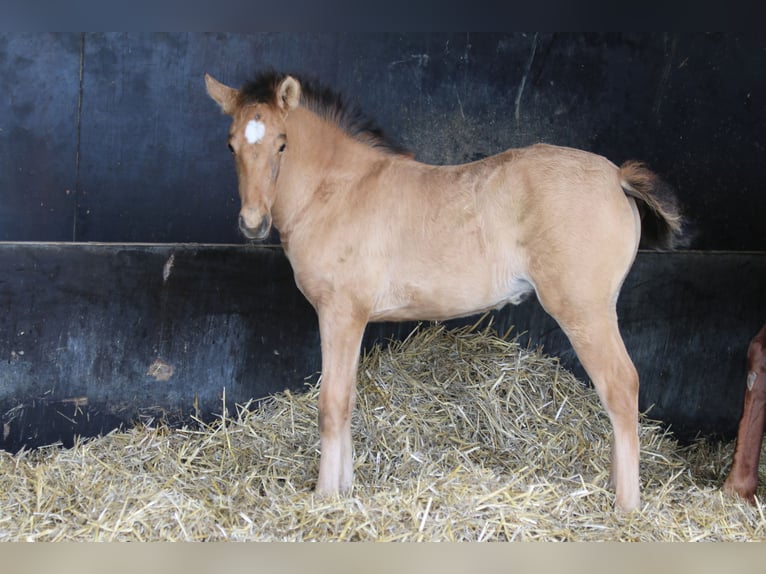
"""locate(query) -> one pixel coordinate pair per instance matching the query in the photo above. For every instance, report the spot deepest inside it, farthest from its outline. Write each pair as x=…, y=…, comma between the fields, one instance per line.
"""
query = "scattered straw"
x=459, y=435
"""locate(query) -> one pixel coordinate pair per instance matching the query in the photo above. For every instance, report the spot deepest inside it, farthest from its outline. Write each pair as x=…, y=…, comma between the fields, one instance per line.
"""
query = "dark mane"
x=324, y=102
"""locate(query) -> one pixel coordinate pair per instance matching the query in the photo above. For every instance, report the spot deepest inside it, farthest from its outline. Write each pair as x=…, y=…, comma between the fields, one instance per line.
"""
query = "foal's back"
x=476, y=236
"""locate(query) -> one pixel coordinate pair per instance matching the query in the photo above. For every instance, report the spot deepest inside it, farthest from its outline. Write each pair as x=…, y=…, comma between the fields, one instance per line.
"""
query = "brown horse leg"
x=743, y=476
x=600, y=348
x=341, y=338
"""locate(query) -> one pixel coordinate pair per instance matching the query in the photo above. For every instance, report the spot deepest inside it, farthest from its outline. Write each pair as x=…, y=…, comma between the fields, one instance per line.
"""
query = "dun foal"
x=373, y=235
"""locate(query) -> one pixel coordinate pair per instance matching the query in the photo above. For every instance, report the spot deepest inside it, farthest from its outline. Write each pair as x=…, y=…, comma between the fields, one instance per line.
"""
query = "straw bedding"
x=459, y=435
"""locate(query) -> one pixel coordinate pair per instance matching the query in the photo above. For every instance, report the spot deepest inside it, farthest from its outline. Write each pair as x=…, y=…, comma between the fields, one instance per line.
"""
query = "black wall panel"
x=39, y=99
x=95, y=335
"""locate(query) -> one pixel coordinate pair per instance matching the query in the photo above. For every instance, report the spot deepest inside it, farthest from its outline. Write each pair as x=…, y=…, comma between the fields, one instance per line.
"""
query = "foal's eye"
x=282, y=147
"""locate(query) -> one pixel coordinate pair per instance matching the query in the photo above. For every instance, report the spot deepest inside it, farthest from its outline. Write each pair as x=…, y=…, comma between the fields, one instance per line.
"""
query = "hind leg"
x=596, y=339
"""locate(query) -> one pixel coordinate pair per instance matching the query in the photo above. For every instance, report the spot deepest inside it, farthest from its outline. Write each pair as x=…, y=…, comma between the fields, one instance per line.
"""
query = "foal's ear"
x=289, y=93
x=224, y=96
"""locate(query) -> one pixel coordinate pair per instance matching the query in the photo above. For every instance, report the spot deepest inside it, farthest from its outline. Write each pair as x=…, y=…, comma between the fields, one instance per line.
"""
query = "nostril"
x=265, y=226
x=242, y=222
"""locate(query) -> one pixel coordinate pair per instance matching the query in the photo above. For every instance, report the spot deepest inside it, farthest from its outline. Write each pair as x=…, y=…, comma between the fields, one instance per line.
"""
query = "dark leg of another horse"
x=743, y=476
x=341, y=337
x=599, y=346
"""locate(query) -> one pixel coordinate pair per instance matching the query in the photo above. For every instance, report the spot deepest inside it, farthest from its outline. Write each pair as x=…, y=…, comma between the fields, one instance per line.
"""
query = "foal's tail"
x=661, y=220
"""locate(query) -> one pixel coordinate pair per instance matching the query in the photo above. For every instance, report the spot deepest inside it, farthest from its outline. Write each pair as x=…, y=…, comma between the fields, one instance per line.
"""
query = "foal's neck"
x=320, y=154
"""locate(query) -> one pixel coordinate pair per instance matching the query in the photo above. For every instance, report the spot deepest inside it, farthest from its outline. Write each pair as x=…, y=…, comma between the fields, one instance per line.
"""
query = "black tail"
x=661, y=219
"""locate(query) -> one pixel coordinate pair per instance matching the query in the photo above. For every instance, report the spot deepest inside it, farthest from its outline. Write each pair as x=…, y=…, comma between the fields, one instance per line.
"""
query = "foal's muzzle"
x=260, y=231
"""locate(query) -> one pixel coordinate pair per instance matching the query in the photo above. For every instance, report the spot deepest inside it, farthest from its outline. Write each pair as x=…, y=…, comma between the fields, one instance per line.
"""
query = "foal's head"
x=258, y=141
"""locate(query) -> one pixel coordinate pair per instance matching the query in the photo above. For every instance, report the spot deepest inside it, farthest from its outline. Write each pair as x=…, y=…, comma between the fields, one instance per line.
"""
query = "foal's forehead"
x=251, y=122
x=260, y=112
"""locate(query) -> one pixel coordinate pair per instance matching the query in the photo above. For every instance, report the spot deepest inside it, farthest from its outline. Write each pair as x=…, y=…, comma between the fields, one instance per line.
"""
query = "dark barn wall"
x=167, y=330
x=111, y=137
x=38, y=136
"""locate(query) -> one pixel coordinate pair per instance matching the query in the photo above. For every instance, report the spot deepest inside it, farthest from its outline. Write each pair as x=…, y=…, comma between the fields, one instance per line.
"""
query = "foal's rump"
x=584, y=194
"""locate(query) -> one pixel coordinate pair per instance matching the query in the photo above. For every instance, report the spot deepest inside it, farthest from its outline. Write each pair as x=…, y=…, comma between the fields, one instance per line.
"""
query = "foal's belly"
x=445, y=300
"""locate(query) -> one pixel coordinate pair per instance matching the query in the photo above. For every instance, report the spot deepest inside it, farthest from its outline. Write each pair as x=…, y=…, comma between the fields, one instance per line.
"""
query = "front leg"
x=340, y=330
